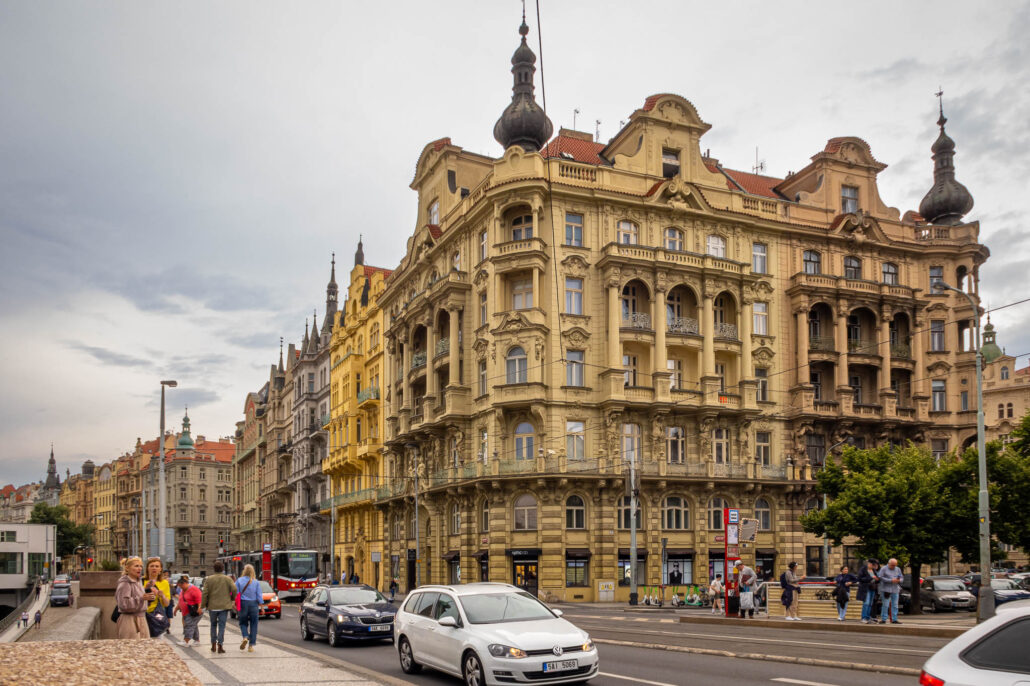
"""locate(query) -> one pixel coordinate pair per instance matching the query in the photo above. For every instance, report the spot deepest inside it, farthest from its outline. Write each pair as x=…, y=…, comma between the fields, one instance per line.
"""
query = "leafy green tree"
x=69, y=535
x=895, y=501
x=109, y=566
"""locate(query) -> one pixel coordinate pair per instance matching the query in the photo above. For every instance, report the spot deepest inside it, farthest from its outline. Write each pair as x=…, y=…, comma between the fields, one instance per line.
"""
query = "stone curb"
x=810, y=661
x=846, y=627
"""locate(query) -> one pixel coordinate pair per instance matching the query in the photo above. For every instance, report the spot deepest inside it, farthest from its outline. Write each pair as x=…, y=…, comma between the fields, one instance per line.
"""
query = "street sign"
x=734, y=516
x=266, y=547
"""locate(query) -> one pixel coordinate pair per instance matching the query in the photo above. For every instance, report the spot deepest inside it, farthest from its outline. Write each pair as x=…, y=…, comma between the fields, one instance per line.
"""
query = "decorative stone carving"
x=481, y=277
x=577, y=337
x=575, y=266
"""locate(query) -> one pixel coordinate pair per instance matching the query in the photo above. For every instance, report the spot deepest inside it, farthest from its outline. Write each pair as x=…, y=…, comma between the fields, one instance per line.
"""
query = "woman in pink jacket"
x=132, y=601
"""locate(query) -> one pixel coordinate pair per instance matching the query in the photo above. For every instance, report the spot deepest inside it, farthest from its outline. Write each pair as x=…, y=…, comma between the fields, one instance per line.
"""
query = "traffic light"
x=89, y=560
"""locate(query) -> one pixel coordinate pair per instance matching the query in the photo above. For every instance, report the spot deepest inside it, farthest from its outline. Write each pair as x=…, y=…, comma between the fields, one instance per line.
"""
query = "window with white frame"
x=482, y=377
x=516, y=366
x=522, y=294
x=759, y=258
x=763, y=513
x=936, y=277
x=763, y=448
x=631, y=442
x=574, y=229
x=720, y=371
x=629, y=366
x=483, y=250
x=813, y=262
x=482, y=309
x=675, y=513
x=455, y=519
x=890, y=273
x=939, y=396
x=434, y=213
x=716, y=246
x=761, y=318
x=575, y=512
x=673, y=239
x=456, y=261
x=761, y=384
x=715, y=511
x=573, y=296
x=575, y=440
x=675, y=368
x=1004, y=373
x=522, y=227
x=525, y=513
x=624, y=510
x=937, y=335
x=848, y=199
x=574, y=367
x=675, y=444
x=939, y=448
x=524, y=437
x=627, y=233
x=721, y=445
x=852, y=268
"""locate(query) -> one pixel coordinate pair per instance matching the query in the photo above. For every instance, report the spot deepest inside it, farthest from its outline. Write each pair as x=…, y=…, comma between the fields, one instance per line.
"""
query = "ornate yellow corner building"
x=573, y=305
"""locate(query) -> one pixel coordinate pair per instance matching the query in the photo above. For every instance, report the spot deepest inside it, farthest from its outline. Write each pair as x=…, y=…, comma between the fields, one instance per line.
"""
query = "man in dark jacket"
x=867, y=582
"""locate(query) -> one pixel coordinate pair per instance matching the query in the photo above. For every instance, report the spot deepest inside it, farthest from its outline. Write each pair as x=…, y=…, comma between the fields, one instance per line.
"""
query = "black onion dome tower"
x=948, y=200
x=523, y=122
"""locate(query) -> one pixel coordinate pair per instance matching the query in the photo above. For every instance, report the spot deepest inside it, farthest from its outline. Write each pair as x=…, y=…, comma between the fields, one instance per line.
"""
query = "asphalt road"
x=621, y=666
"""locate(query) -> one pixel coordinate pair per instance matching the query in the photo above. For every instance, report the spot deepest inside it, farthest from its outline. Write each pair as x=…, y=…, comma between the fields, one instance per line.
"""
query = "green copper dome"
x=185, y=442
x=990, y=350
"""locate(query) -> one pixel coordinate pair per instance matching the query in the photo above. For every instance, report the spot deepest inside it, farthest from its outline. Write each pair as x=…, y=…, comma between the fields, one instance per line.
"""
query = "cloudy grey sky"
x=174, y=175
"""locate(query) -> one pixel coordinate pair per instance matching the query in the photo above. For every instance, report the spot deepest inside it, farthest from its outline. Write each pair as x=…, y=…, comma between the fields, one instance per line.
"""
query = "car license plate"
x=560, y=665
x=379, y=627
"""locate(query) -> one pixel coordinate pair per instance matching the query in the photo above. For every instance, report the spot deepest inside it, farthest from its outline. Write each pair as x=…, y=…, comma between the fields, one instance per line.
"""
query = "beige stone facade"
x=637, y=300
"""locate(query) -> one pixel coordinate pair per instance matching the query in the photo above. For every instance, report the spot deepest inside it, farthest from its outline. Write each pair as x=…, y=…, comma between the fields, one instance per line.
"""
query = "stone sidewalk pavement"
x=270, y=664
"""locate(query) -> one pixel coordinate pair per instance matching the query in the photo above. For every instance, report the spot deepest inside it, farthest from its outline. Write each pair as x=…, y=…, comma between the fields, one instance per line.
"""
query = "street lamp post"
x=986, y=599
x=161, y=474
x=418, y=561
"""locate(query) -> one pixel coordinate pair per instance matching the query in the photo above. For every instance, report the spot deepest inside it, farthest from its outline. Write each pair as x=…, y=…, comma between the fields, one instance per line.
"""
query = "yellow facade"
x=104, y=491
x=356, y=427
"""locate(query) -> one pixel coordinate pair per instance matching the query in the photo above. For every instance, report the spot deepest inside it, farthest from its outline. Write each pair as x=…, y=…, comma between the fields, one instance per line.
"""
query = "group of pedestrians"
x=146, y=602
x=24, y=620
x=871, y=580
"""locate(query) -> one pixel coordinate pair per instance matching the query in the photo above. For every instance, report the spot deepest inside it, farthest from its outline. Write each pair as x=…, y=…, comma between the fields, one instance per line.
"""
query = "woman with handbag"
x=157, y=611
x=248, y=599
x=189, y=606
x=131, y=601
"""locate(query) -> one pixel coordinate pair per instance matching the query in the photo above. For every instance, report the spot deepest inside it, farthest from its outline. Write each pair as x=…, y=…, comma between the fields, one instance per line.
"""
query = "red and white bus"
x=293, y=571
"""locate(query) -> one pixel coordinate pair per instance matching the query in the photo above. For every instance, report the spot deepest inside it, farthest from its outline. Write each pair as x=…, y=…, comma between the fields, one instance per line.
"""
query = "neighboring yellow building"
x=356, y=427
x=571, y=305
x=104, y=509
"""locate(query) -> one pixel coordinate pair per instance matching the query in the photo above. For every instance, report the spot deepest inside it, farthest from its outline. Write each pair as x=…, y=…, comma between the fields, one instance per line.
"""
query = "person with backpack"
x=845, y=580
x=867, y=583
x=218, y=598
x=791, y=585
x=248, y=590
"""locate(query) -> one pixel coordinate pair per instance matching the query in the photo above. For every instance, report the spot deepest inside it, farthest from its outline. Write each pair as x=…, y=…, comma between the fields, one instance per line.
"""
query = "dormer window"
x=522, y=227
x=670, y=163
x=434, y=213
x=849, y=199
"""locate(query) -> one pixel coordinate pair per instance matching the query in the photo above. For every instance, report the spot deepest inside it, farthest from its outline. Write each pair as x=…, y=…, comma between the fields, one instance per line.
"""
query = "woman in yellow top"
x=160, y=587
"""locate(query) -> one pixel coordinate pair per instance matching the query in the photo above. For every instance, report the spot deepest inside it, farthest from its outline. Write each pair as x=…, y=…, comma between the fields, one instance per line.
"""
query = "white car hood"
x=537, y=634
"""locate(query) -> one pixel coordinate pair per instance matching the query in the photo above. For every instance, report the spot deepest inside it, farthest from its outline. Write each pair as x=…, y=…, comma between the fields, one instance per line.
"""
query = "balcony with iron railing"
x=862, y=346
x=726, y=330
x=901, y=351
x=636, y=320
x=687, y=326
x=418, y=359
x=822, y=343
x=368, y=394
x=443, y=346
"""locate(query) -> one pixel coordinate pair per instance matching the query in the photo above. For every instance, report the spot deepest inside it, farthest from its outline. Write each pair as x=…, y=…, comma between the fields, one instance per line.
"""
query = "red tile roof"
x=369, y=271
x=439, y=143
x=580, y=150
x=434, y=230
x=652, y=100
x=7, y=490
x=755, y=184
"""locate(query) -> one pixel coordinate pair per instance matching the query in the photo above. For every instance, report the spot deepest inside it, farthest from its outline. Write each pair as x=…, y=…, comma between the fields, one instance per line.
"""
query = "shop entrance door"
x=525, y=575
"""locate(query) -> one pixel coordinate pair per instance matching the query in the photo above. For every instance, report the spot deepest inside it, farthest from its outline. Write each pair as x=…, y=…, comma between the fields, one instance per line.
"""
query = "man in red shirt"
x=189, y=606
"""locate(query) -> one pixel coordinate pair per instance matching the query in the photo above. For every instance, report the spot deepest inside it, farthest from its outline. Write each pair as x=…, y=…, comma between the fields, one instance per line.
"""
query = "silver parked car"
x=945, y=593
x=993, y=653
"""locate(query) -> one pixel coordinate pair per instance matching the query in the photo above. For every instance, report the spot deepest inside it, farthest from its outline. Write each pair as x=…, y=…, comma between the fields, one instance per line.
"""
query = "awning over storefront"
x=678, y=552
x=523, y=552
x=577, y=553
x=451, y=555
x=482, y=555
x=765, y=551
x=641, y=553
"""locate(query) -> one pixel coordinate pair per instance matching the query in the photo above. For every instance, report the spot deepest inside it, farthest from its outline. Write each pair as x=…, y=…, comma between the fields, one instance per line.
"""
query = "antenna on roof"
x=597, y=131
x=574, y=113
x=759, y=164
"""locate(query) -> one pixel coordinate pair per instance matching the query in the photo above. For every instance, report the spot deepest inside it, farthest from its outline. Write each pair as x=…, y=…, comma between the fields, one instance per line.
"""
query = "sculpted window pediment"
x=575, y=266
x=859, y=228
x=939, y=368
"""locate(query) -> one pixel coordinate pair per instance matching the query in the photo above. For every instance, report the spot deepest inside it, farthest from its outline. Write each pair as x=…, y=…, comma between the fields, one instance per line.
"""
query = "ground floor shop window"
x=455, y=571
x=679, y=569
x=484, y=568
x=576, y=572
x=624, y=569
x=716, y=565
x=11, y=563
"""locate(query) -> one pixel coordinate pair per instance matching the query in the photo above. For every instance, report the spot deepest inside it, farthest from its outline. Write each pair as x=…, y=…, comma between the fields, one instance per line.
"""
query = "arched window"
x=716, y=246
x=524, y=441
x=516, y=366
x=890, y=273
x=484, y=516
x=575, y=513
x=715, y=508
x=673, y=239
x=1001, y=410
x=1008, y=409
x=1004, y=373
x=624, y=521
x=813, y=262
x=455, y=519
x=522, y=227
x=852, y=268
x=763, y=513
x=627, y=234
x=675, y=513
x=525, y=513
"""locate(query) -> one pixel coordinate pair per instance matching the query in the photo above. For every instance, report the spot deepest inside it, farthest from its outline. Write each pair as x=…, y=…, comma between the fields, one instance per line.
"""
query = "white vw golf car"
x=489, y=633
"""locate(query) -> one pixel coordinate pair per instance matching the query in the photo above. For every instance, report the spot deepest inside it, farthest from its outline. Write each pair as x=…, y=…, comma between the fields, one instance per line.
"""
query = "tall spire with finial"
x=52, y=479
x=304, y=345
x=185, y=441
x=313, y=347
x=282, y=369
x=331, y=297
x=359, y=254
x=523, y=122
x=948, y=200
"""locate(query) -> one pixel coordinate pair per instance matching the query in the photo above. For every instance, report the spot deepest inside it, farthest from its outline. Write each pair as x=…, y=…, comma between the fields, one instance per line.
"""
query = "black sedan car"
x=346, y=613
x=61, y=595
